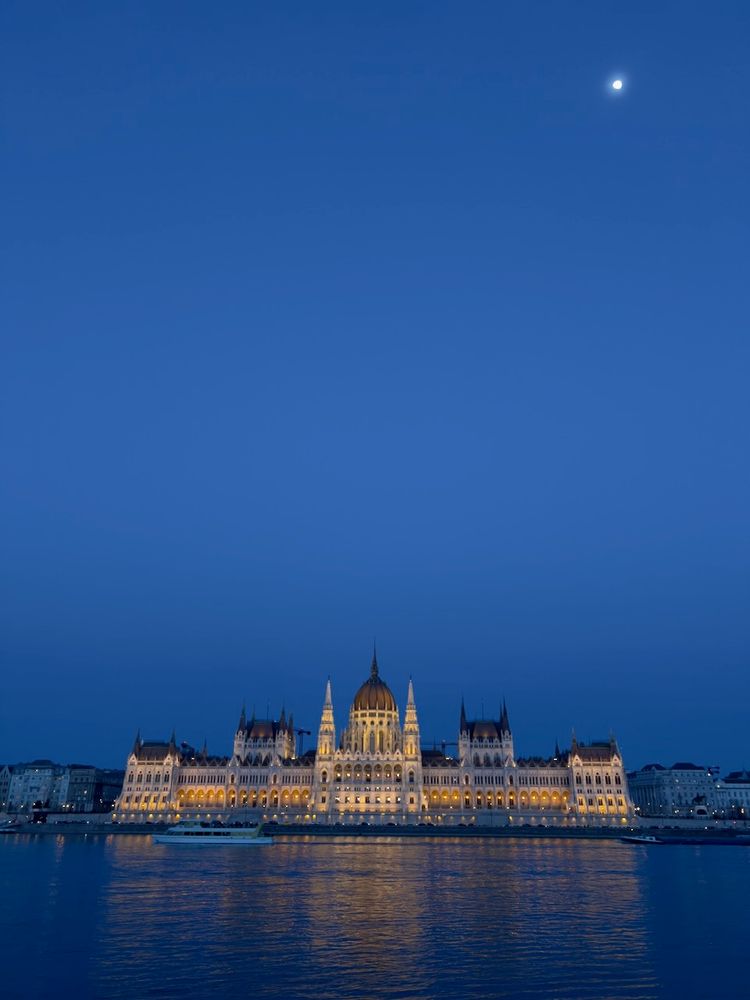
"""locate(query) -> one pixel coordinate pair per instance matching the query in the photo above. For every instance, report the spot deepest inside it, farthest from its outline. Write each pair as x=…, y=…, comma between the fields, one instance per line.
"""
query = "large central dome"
x=374, y=695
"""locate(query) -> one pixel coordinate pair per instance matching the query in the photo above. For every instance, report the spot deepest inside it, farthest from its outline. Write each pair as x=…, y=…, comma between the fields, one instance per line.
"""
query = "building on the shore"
x=684, y=790
x=689, y=791
x=6, y=773
x=376, y=772
x=35, y=785
x=70, y=788
x=734, y=796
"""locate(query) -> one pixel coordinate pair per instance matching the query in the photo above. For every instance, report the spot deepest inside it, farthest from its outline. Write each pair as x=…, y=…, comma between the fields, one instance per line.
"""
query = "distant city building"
x=6, y=773
x=683, y=790
x=376, y=772
x=734, y=795
x=90, y=789
x=44, y=785
x=35, y=785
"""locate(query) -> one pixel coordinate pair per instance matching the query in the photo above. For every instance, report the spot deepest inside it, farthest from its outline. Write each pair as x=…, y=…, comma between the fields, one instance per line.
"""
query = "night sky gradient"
x=329, y=321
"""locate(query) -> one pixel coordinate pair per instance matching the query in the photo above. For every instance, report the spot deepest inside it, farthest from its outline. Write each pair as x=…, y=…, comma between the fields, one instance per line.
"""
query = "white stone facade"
x=376, y=773
x=682, y=791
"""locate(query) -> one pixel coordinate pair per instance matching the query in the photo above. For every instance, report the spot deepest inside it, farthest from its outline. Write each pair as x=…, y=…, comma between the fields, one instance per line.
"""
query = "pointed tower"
x=327, y=729
x=506, y=737
x=412, y=799
x=411, y=727
x=137, y=743
x=240, y=737
x=464, y=737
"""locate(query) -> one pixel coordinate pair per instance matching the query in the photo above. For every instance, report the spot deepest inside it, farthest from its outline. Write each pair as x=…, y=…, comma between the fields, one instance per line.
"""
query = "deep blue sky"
x=326, y=321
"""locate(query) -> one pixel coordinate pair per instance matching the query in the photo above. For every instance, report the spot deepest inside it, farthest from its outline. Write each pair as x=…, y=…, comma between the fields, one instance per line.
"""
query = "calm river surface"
x=119, y=917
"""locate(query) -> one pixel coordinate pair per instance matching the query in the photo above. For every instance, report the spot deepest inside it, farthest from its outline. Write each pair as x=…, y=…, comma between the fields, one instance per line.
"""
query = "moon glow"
x=617, y=85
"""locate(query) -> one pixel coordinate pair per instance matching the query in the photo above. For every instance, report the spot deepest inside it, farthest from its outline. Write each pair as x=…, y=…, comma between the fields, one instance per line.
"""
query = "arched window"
x=411, y=777
x=477, y=762
x=487, y=761
x=324, y=776
x=588, y=779
x=372, y=741
x=381, y=740
x=607, y=779
x=617, y=779
x=578, y=779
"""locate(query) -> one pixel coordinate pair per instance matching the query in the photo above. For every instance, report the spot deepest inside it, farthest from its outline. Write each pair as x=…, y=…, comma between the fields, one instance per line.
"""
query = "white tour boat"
x=208, y=835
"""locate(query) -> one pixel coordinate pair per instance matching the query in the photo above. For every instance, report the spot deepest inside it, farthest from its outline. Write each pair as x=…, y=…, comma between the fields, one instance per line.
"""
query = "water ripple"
x=360, y=919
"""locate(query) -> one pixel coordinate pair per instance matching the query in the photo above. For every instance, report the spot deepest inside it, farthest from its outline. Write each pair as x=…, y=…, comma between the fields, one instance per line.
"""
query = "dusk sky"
x=331, y=321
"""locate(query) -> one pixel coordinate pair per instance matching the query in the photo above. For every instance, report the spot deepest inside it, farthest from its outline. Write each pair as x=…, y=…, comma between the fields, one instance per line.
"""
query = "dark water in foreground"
x=118, y=917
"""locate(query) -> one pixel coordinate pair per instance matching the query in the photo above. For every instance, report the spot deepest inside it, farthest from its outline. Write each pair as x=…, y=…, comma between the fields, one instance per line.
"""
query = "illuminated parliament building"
x=377, y=772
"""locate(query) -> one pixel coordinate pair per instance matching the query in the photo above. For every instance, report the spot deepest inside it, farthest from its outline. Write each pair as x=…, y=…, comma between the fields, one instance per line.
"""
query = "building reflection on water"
x=371, y=918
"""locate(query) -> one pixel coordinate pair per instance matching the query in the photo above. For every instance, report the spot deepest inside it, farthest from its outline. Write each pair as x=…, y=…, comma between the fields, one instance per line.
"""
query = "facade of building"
x=682, y=791
x=376, y=772
x=689, y=791
x=6, y=773
x=72, y=788
x=36, y=785
x=734, y=796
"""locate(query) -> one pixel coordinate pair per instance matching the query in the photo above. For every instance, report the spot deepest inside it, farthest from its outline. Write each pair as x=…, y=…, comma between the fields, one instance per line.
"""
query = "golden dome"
x=374, y=695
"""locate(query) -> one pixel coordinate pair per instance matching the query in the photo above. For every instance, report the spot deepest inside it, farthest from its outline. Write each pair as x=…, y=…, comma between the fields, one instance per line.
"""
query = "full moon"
x=617, y=85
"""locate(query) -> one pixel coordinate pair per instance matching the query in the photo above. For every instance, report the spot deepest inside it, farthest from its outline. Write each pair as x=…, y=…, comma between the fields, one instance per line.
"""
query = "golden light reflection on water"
x=380, y=919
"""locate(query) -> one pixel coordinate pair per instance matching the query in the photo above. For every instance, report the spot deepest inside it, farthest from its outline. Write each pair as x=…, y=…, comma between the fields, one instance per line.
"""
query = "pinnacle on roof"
x=463, y=725
x=328, y=701
x=242, y=724
x=137, y=743
x=504, y=722
x=374, y=664
x=410, y=694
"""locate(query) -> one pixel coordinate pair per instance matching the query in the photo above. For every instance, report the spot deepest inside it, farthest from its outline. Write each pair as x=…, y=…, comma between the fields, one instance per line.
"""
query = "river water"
x=372, y=919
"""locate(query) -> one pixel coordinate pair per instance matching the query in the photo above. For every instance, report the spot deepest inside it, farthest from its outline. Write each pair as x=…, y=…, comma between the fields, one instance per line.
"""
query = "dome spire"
x=374, y=664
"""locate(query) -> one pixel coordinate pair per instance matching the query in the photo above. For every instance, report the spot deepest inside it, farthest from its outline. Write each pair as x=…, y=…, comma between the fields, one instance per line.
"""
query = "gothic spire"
x=328, y=700
x=463, y=725
x=282, y=718
x=504, y=722
x=374, y=664
x=242, y=724
x=137, y=743
x=410, y=695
